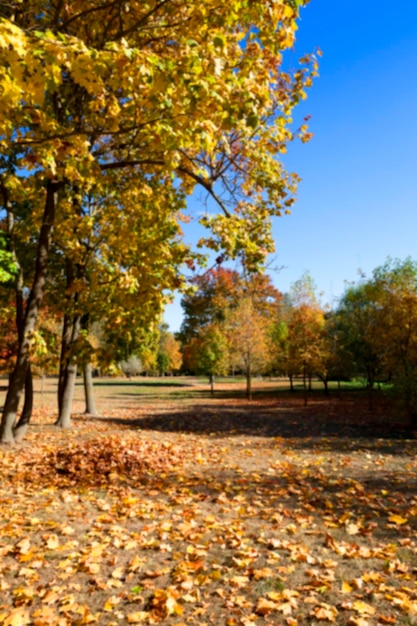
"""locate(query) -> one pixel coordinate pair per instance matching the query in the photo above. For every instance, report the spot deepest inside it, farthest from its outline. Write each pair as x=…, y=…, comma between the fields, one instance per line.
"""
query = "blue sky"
x=357, y=202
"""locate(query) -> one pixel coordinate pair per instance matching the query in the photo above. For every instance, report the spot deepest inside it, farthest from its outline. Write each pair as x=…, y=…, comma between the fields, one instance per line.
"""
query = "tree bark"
x=248, y=383
x=211, y=379
x=65, y=347
x=90, y=403
x=18, y=377
x=24, y=419
x=371, y=384
x=68, y=376
x=305, y=385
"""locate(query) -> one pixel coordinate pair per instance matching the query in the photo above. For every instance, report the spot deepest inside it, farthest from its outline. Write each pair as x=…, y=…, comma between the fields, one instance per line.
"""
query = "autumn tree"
x=397, y=283
x=359, y=319
x=208, y=352
x=386, y=317
x=214, y=293
x=248, y=339
x=169, y=357
x=219, y=300
x=161, y=89
x=300, y=333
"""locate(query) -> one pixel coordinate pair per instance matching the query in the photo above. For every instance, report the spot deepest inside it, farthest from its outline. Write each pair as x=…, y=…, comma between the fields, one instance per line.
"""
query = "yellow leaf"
x=352, y=529
x=24, y=546
x=363, y=607
x=325, y=612
x=358, y=621
x=265, y=572
x=397, y=519
x=239, y=581
x=111, y=603
x=52, y=542
x=173, y=607
x=118, y=573
x=17, y=617
x=346, y=587
x=45, y=616
x=136, y=618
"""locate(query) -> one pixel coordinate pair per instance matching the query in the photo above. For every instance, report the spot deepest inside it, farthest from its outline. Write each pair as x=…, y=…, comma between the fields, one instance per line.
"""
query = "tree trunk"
x=305, y=385
x=211, y=379
x=90, y=403
x=68, y=376
x=18, y=377
x=371, y=384
x=65, y=347
x=23, y=423
x=248, y=383
x=290, y=377
x=325, y=381
x=64, y=418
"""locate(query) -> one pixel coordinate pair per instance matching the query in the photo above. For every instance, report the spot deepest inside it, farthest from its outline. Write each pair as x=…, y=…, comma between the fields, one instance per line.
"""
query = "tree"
x=359, y=318
x=214, y=293
x=217, y=300
x=169, y=357
x=247, y=330
x=208, y=352
x=396, y=286
x=132, y=367
x=165, y=88
x=299, y=335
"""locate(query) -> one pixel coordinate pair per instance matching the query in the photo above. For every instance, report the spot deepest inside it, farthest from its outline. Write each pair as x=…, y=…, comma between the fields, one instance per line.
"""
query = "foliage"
x=110, y=110
x=247, y=329
x=8, y=266
x=214, y=293
x=299, y=343
x=211, y=109
x=8, y=331
x=169, y=357
x=359, y=318
x=217, y=302
x=208, y=352
x=132, y=367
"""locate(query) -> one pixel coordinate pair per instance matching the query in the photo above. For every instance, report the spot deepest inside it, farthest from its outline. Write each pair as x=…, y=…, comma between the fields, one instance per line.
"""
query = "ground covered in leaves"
x=176, y=509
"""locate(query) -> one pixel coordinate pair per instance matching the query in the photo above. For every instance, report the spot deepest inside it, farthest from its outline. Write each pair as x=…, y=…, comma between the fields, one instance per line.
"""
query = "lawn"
x=174, y=507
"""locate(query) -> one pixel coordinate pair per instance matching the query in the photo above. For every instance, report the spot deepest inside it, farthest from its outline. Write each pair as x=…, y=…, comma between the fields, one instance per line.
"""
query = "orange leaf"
x=325, y=612
x=263, y=607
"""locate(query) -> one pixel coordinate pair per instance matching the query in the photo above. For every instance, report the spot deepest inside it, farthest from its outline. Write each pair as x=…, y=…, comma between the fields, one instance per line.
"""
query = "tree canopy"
x=126, y=107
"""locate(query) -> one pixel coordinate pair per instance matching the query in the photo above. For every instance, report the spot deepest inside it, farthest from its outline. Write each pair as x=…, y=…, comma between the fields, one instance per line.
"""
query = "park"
x=256, y=465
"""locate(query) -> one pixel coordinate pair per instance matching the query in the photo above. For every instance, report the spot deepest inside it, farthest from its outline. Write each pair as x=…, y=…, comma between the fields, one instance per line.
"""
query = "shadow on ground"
x=330, y=424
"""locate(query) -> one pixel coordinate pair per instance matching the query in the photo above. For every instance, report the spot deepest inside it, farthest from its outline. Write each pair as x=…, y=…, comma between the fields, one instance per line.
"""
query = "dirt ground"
x=175, y=507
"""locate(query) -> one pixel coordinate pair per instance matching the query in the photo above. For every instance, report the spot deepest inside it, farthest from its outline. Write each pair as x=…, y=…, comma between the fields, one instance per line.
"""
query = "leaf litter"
x=210, y=512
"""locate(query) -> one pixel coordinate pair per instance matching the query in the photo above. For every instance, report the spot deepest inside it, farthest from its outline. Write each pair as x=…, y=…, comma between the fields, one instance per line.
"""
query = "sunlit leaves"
x=259, y=532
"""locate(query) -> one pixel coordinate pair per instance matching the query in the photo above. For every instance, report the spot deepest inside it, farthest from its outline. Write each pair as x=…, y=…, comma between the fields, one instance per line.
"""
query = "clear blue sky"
x=357, y=202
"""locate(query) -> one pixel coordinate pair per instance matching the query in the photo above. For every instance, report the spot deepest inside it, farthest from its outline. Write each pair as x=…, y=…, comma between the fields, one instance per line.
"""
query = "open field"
x=177, y=508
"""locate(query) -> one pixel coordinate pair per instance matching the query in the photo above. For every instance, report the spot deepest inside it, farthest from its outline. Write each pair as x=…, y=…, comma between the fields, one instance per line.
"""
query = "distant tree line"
x=234, y=323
